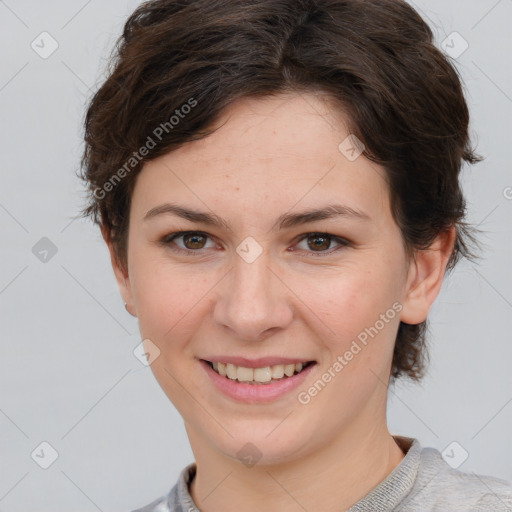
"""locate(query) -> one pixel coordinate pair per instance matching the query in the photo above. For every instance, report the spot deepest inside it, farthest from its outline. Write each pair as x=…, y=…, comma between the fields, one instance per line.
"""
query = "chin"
x=261, y=449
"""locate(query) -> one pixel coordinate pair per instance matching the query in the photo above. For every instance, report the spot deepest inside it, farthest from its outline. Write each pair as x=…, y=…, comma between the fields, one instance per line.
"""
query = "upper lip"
x=260, y=362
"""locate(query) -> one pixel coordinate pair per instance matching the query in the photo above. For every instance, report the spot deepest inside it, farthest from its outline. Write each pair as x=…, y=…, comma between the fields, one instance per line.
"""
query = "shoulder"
x=439, y=487
x=178, y=498
x=159, y=505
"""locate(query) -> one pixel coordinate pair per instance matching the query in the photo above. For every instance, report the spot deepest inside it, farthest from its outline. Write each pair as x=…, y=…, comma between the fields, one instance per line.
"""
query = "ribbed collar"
x=385, y=497
x=397, y=485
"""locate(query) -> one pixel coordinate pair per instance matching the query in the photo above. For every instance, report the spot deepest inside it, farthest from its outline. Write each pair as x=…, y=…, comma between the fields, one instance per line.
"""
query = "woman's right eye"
x=193, y=241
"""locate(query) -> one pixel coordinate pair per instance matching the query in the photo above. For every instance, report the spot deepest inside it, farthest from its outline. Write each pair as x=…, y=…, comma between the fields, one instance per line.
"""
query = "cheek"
x=352, y=299
x=358, y=347
x=170, y=305
x=163, y=294
x=350, y=306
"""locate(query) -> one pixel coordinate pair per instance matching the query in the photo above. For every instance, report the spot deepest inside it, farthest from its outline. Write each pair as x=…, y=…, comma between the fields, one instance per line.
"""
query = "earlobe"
x=426, y=273
x=120, y=273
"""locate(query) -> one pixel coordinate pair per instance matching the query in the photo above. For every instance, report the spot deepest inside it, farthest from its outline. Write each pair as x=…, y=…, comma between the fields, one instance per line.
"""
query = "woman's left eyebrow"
x=287, y=220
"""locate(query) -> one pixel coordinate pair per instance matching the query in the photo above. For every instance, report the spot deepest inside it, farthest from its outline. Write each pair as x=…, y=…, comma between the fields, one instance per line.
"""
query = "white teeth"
x=257, y=375
x=231, y=371
x=221, y=368
x=278, y=371
x=289, y=369
x=245, y=374
x=262, y=374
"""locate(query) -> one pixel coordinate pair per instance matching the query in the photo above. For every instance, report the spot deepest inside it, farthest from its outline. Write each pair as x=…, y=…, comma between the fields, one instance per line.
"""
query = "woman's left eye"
x=194, y=241
x=319, y=242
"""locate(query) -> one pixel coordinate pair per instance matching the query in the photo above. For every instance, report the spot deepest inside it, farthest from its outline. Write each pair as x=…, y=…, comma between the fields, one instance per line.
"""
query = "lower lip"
x=256, y=393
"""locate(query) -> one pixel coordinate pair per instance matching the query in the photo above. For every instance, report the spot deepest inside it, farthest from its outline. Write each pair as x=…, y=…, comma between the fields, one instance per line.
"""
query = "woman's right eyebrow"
x=186, y=213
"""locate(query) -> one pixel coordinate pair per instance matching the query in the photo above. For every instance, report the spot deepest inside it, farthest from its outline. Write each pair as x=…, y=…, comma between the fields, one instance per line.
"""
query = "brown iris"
x=196, y=240
x=320, y=242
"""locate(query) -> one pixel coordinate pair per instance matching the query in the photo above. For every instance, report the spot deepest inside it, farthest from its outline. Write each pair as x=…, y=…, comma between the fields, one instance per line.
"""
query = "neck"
x=330, y=479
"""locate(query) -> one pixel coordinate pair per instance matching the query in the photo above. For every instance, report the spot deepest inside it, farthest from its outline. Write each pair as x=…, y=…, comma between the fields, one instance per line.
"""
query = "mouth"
x=258, y=376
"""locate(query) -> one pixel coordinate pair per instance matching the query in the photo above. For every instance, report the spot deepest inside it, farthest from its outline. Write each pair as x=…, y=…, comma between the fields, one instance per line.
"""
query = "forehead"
x=281, y=150
x=285, y=126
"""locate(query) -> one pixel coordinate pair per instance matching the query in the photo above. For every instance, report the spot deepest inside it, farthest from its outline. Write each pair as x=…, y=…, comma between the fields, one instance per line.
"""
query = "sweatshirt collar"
x=385, y=497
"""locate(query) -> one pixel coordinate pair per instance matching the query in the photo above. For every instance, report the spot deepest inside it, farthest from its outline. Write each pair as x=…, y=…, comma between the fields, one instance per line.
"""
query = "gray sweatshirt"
x=422, y=482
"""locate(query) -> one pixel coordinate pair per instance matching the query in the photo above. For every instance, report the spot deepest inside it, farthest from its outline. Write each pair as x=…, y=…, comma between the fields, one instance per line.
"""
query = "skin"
x=271, y=156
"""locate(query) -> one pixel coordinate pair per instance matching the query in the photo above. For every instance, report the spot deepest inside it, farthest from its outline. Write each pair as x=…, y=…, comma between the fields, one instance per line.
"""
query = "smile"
x=264, y=375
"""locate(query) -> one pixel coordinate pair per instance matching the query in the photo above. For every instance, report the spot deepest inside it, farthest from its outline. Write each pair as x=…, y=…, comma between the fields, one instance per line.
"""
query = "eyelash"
x=168, y=239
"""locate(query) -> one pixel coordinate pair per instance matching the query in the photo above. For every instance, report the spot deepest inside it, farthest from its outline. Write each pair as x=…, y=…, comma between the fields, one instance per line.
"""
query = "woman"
x=277, y=182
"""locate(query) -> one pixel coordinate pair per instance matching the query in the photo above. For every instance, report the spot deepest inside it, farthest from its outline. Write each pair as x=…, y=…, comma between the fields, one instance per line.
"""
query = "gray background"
x=67, y=372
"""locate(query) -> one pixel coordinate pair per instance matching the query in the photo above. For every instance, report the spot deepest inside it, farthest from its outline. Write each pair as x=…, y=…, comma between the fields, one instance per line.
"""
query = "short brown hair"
x=375, y=58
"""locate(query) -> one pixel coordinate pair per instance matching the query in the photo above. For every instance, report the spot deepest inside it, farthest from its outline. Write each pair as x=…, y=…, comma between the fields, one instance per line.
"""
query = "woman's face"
x=257, y=282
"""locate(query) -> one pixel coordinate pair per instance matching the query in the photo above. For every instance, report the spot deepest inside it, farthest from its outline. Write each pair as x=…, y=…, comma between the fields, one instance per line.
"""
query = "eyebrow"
x=287, y=220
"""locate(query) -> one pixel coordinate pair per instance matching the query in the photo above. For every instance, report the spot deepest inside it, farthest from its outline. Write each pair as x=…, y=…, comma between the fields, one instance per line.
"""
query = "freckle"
x=237, y=188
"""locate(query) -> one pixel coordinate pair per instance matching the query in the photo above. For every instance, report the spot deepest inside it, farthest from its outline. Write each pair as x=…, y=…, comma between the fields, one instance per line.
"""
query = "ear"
x=425, y=279
x=121, y=274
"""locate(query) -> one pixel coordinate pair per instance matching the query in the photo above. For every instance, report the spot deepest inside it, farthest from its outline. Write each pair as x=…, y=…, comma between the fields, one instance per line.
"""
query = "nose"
x=253, y=302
